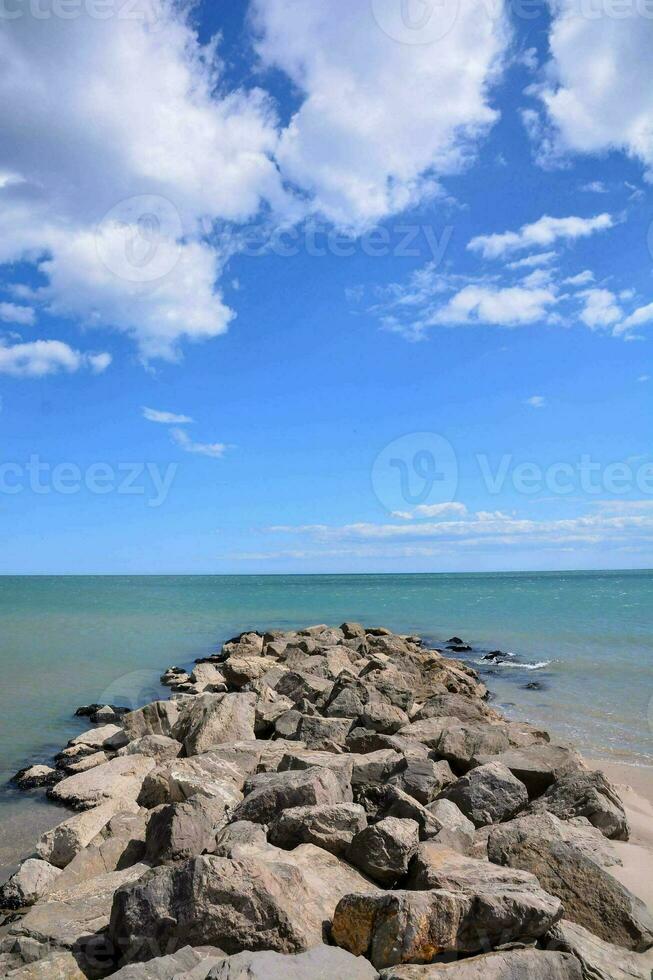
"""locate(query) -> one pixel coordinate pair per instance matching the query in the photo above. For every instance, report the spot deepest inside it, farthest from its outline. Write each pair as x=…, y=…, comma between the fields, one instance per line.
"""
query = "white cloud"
x=582, y=279
x=42, y=357
x=545, y=231
x=12, y=313
x=600, y=308
x=640, y=317
x=431, y=510
x=381, y=118
x=215, y=450
x=643, y=378
x=509, y=306
x=594, y=187
x=165, y=418
x=532, y=261
x=599, y=89
x=536, y=401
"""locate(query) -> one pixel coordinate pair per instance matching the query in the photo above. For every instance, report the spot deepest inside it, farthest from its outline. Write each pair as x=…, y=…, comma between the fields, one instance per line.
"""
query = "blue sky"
x=291, y=287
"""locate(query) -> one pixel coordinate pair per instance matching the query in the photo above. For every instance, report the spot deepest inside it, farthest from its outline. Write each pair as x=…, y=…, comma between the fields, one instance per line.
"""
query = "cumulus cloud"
x=165, y=418
x=383, y=115
x=541, y=233
x=24, y=316
x=599, y=90
x=638, y=318
x=42, y=357
x=600, y=309
x=509, y=306
x=431, y=510
x=533, y=261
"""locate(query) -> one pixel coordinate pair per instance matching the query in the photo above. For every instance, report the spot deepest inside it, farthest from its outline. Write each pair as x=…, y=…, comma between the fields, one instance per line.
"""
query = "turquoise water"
x=65, y=641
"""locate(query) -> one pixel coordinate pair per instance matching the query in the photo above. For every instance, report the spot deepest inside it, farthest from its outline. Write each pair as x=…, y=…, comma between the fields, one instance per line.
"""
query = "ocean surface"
x=585, y=638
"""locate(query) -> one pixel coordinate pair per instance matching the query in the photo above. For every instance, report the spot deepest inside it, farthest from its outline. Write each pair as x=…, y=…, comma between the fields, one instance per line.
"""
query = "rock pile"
x=323, y=803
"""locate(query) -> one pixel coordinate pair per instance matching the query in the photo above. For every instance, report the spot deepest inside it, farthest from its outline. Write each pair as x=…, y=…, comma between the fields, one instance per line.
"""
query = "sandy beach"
x=635, y=786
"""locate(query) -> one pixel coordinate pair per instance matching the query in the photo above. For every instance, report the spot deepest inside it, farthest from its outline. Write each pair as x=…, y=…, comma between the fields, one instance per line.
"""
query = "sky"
x=294, y=286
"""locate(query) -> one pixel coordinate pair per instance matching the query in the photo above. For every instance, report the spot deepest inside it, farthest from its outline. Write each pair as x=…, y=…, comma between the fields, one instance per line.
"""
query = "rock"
x=342, y=766
x=36, y=776
x=457, y=706
x=353, y=631
x=73, y=919
x=28, y=885
x=119, y=779
x=299, y=685
x=208, y=774
x=384, y=850
x=424, y=779
x=324, y=734
x=591, y=896
x=267, y=794
x=209, y=677
x=320, y=963
x=590, y=795
x=287, y=724
x=60, y=845
x=88, y=710
x=360, y=741
x=488, y=794
x=384, y=718
x=450, y=817
x=457, y=741
x=537, y=766
x=85, y=763
x=245, y=904
x=178, y=831
x=242, y=833
x=390, y=801
x=331, y=827
x=186, y=964
x=120, y=844
x=414, y=927
x=105, y=737
x=598, y=960
x=269, y=709
x=106, y=715
x=515, y=964
x=376, y=767
x=215, y=719
x=161, y=748
x=59, y=966
x=157, y=718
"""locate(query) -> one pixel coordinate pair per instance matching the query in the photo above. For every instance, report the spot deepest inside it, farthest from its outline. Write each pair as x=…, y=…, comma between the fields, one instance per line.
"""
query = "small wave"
x=538, y=666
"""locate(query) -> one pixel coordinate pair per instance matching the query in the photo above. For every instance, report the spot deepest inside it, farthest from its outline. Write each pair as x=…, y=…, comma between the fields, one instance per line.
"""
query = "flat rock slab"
x=119, y=779
x=60, y=845
x=537, y=766
x=209, y=774
x=321, y=963
x=269, y=793
x=518, y=964
x=186, y=962
x=598, y=960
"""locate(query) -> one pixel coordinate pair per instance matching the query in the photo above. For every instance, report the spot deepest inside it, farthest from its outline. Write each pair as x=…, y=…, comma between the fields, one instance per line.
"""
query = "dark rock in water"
x=455, y=640
x=87, y=710
x=495, y=656
x=34, y=777
x=459, y=647
x=534, y=686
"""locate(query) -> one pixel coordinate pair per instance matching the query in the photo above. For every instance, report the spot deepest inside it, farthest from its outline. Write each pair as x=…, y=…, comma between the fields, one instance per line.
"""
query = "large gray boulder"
x=242, y=833
x=34, y=777
x=383, y=851
x=121, y=779
x=213, y=719
x=590, y=795
x=264, y=900
x=320, y=963
x=488, y=794
x=60, y=845
x=299, y=685
x=342, y=765
x=267, y=794
x=161, y=748
x=186, y=963
x=376, y=767
x=157, y=718
x=424, y=779
x=591, y=896
x=209, y=774
x=456, y=706
x=324, y=734
x=332, y=827
x=459, y=742
x=537, y=766
x=597, y=959
x=515, y=964
x=415, y=927
x=178, y=831
x=104, y=737
x=383, y=718
x=30, y=883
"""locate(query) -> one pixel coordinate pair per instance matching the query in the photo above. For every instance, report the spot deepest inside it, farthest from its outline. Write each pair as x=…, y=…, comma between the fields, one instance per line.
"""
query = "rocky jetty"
x=323, y=803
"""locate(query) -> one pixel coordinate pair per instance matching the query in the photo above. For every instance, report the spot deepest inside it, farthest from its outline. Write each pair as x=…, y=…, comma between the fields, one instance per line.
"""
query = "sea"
x=577, y=646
